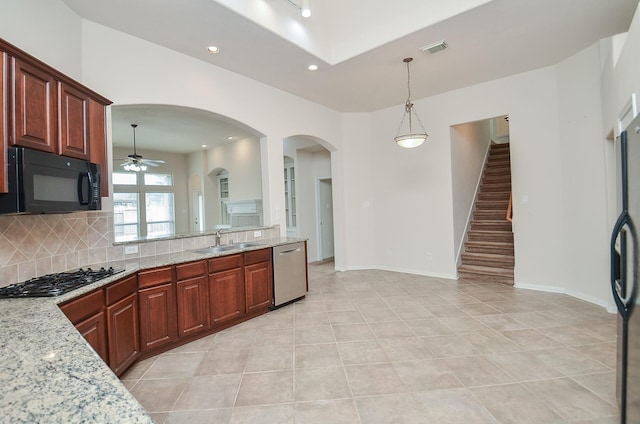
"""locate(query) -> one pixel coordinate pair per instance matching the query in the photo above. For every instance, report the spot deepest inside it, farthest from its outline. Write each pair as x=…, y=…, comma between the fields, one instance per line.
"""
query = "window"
x=223, y=196
x=290, y=194
x=125, y=216
x=155, y=192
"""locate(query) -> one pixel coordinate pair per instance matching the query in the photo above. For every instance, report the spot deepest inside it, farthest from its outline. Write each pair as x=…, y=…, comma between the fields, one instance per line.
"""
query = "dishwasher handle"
x=290, y=251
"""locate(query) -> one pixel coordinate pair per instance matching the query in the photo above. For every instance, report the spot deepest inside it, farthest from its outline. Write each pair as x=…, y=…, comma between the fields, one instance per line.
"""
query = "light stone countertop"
x=49, y=373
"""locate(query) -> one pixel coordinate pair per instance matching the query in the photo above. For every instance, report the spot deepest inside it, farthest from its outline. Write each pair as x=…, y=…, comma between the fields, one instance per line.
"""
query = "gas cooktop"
x=56, y=284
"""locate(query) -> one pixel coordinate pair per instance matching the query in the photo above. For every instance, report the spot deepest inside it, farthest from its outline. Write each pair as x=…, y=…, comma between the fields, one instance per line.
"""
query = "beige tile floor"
x=385, y=347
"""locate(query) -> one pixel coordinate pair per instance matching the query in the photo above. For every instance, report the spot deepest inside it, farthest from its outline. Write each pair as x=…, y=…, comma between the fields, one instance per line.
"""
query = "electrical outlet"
x=130, y=250
x=428, y=256
x=257, y=233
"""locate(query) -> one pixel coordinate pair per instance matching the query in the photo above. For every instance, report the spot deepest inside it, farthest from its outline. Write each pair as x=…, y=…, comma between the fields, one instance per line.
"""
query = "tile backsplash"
x=35, y=245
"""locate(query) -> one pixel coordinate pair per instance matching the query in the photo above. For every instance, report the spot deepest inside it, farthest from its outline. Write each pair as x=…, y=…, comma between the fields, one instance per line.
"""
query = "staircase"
x=488, y=251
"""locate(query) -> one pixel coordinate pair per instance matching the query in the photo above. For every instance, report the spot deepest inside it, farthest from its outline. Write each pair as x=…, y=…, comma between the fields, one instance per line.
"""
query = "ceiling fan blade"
x=153, y=160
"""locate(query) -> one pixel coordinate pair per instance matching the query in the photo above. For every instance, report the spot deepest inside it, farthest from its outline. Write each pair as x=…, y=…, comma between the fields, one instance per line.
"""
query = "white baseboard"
x=573, y=293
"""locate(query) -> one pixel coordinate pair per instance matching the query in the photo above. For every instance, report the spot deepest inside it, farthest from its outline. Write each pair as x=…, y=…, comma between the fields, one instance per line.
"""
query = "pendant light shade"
x=409, y=139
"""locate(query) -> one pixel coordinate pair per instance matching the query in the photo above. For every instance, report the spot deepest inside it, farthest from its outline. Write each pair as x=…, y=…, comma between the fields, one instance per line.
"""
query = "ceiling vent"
x=435, y=47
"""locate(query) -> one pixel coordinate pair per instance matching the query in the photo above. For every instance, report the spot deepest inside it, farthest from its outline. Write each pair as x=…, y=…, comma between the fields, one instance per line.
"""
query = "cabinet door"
x=94, y=330
x=34, y=117
x=226, y=296
x=4, y=77
x=157, y=316
x=193, y=306
x=258, y=280
x=73, y=113
x=98, y=142
x=122, y=330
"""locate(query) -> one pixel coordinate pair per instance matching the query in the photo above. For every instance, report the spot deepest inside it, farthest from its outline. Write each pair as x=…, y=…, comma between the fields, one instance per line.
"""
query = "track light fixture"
x=304, y=6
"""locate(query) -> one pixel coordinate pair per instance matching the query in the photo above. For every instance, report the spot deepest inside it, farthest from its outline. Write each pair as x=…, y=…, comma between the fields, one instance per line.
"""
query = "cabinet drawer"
x=121, y=289
x=85, y=306
x=225, y=262
x=255, y=256
x=190, y=270
x=155, y=277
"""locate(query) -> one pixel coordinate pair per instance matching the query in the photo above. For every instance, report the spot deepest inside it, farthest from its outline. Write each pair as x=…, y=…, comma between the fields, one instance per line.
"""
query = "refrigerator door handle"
x=624, y=288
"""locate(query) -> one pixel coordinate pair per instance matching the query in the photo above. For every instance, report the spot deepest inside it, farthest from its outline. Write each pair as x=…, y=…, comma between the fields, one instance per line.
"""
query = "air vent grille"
x=435, y=47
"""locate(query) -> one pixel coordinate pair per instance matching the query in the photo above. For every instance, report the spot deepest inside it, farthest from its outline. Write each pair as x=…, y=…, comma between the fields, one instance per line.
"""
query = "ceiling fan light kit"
x=135, y=162
x=410, y=139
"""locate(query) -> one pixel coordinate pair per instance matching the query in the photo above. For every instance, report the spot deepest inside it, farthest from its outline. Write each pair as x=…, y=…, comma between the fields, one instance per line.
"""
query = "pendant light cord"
x=408, y=106
x=408, y=102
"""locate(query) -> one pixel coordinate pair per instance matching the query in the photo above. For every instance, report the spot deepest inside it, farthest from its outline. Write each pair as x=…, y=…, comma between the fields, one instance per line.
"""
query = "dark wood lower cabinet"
x=87, y=314
x=193, y=306
x=226, y=296
x=158, y=324
x=155, y=310
x=94, y=330
x=122, y=328
x=258, y=280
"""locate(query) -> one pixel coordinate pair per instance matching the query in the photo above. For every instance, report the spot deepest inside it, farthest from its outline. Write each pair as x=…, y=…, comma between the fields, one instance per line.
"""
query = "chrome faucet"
x=218, y=238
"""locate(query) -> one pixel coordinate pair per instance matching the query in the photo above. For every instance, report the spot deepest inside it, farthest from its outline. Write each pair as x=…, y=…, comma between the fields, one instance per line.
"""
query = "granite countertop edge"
x=50, y=373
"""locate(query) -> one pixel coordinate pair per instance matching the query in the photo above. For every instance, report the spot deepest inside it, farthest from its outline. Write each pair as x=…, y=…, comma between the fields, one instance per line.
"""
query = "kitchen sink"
x=226, y=248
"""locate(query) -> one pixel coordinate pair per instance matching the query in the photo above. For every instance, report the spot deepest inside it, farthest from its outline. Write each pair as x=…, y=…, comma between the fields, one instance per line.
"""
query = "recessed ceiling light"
x=213, y=49
x=230, y=137
x=204, y=146
x=312, y=67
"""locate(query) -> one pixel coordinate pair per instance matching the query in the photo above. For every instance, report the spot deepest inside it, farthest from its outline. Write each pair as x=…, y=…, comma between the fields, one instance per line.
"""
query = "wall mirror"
x=208, y=175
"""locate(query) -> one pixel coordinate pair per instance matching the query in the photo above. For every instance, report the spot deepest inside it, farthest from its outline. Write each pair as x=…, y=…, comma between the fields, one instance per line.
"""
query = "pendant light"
x=410, y=139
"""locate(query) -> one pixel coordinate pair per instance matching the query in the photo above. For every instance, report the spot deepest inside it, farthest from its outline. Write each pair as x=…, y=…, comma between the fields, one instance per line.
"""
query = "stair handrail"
x=510, y=208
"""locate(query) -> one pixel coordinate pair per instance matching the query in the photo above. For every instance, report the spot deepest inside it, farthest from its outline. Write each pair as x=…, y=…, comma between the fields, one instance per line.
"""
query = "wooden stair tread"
x=491, y=270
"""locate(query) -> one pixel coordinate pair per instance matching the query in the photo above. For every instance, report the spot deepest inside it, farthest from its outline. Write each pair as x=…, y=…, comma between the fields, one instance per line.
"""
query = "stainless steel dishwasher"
x=289, y=273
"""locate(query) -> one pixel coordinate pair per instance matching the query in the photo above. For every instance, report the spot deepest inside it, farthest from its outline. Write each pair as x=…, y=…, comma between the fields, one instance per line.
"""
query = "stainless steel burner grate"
x=56, y=284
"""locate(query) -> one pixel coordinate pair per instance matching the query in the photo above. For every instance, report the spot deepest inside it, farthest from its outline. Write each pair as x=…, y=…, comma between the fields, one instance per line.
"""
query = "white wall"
x=582, y=144
x=48, y=30
x=242, y=160
x=356, y=232
x=469, y=147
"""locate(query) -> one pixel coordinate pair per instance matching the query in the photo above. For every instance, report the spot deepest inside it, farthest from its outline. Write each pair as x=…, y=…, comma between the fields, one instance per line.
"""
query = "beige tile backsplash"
x=35, y=245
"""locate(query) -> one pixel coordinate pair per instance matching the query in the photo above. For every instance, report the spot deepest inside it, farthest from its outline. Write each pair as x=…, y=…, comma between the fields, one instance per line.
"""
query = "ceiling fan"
x=136, y=162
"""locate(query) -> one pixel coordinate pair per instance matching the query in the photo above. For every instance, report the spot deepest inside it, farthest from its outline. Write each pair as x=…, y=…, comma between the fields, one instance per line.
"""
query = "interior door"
x=325, y=215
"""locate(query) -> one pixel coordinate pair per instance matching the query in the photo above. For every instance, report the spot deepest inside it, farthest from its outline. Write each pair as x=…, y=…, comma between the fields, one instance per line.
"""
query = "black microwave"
x=41, y=182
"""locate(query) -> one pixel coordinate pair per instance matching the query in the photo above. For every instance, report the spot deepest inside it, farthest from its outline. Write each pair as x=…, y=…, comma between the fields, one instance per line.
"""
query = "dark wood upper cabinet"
x=34, y=107
x=97, y=132
x=46, y=110
x=73, y=123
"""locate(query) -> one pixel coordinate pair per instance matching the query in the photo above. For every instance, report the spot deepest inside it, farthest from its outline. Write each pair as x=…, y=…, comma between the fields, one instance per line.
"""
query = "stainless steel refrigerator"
x=625, y=270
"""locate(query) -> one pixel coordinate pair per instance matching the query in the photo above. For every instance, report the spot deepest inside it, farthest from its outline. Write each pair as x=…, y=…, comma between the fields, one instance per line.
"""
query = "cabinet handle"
x=290, y=251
